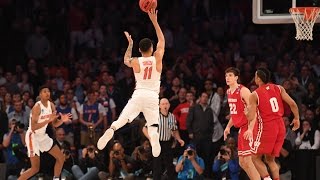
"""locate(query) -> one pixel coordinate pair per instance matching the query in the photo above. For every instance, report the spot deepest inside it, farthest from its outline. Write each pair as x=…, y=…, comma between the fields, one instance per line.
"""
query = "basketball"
x=146, y=5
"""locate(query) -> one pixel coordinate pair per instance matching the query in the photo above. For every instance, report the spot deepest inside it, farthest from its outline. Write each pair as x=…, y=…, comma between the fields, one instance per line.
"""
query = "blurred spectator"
x=90, y=164
x=60, y=139
x=214, y=102
x=142, y=156
x=284, y=160
x=24, y=84
x=200, y=126
x=3, y=80
x=11, y=84
x=64, y=108
x=307, y=137
x=120, y=164
x=305, y=76
x=172, y=92
x=7, y=102
x=91, y=118
x=68, y=163
x=37, y=45
x=181, y=99
x=190, y=165
x=15, y=152
x=181, y=113
x=20, y=114
x=109, y=106
x=226, y=166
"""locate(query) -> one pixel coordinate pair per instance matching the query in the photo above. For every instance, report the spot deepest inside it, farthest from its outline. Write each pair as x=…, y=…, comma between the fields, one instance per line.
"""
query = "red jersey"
x=181, y=113
x=270, y=105
x=237, y=105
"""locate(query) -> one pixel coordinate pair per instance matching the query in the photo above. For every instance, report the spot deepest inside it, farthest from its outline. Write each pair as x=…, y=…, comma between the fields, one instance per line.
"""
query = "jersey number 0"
x=274, y=104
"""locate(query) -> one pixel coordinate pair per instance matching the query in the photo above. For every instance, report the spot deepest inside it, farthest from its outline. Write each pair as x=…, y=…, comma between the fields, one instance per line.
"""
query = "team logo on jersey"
x=267, y=88
x=42, y=110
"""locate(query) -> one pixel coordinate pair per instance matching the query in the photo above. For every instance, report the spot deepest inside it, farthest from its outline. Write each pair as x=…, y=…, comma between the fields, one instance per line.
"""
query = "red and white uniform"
x=271, y=130
x=39, y=140
x=145, y=97
x=239, y=119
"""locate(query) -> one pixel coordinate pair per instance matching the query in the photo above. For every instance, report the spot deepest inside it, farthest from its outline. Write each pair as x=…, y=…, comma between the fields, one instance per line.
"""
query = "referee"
x=167, y=129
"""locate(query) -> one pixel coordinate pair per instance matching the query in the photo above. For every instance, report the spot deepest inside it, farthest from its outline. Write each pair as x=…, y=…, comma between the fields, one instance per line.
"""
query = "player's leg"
x=34, y=169
x=274, y=168
x=270, y=159
x=260, y=166
x=151, y=113
x=245, y=154
x=248, y=166
x=58, y=155
x=130, y=111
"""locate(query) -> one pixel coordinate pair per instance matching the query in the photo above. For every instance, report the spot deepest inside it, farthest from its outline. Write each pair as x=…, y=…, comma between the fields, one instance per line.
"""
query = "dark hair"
x=263, y=74
x=233, y=70
x=145, y=44
x=43, y=87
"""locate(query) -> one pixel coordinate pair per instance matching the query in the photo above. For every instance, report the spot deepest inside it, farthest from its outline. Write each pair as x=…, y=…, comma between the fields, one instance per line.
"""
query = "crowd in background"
x=76, y=48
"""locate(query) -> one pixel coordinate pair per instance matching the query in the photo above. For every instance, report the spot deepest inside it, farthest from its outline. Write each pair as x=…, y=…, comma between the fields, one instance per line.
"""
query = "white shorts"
x=144, y=101
x=37, y=143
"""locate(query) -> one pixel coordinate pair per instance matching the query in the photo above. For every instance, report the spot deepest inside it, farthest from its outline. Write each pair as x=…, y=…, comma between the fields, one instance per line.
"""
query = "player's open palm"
x=153, y=15
x=66, y=117
x=128, y=37
x=248, y=135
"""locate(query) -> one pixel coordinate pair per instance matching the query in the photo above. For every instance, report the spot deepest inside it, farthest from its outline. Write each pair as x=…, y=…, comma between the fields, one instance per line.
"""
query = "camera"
x=190, y=152
x=90, y=150
x=116, y=153
x=19, y=125
x=67, y=152
x=223, y=152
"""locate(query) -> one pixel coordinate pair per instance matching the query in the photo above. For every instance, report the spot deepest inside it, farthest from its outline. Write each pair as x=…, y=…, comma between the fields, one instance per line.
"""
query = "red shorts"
x=269, y=137
x=244, y=146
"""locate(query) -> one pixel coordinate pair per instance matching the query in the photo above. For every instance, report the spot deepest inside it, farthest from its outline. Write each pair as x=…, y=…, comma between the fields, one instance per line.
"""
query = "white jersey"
x=148, y=78
x=45, y=113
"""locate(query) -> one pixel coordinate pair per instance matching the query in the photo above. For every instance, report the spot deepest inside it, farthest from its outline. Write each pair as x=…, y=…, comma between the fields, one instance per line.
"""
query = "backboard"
x=277, y=11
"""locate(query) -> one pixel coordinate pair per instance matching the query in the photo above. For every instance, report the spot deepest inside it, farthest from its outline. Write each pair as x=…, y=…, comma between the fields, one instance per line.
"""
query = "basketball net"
x=304, y=19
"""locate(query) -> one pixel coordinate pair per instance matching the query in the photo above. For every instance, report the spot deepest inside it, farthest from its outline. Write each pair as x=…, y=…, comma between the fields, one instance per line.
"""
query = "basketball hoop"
x=304, y=18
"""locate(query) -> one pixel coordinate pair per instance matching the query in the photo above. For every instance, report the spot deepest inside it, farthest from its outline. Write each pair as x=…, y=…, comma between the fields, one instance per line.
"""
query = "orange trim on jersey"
x=31, y=145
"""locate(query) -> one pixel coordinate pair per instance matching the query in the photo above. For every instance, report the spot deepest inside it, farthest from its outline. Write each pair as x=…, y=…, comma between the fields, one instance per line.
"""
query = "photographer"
x=226, y=167
x=68, y=162
x=190, y=165
x=90, y=164
x=120, y=164
x=14, y=144
x=143, y=159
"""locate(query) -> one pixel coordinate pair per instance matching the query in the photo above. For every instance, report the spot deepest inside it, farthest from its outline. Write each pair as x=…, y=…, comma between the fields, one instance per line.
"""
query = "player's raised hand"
x=128, y=37
x=153, y=14
x=66, y=117
x=296, y=124
x=53, y=116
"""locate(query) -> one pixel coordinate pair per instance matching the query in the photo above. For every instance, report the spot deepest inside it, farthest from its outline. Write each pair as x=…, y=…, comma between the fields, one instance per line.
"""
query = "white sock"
x=267, y=178
x=56, y=178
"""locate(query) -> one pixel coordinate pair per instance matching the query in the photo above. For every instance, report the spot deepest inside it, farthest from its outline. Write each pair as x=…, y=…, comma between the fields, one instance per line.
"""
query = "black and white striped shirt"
x=167, y=124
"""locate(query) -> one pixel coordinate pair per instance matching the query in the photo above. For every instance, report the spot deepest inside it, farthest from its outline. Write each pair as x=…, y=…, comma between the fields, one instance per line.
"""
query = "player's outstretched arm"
x=127, y=59
x=293, y=106
x=153, y=15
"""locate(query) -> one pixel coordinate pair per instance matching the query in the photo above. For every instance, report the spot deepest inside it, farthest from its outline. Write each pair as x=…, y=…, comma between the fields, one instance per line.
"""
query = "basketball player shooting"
x=37, y=140
x=266, y=103
x=147, y=71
